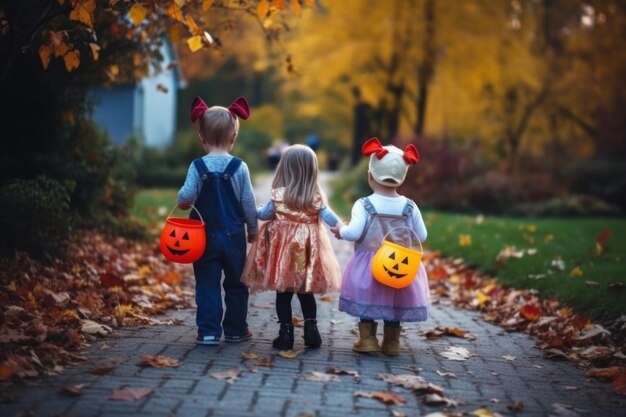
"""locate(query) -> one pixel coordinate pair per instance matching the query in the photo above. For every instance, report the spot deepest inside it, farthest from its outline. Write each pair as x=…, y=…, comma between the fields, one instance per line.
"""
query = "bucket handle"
x=192, y=206
x=405, y=227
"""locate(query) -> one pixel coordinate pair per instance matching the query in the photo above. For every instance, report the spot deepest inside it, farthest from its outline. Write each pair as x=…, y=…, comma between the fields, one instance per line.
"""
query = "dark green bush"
x=35, y=217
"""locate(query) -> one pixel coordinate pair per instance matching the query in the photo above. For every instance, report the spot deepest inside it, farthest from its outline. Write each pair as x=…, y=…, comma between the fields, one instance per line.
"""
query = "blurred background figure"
x=313, y=141
x=275, y=151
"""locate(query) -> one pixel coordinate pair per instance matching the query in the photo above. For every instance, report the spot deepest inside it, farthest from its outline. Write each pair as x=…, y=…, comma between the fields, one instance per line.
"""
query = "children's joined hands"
x=335, y=229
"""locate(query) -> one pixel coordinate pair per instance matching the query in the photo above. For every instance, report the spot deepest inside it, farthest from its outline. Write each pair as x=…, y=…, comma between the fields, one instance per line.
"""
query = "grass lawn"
x=555, y=256
x=154, y=204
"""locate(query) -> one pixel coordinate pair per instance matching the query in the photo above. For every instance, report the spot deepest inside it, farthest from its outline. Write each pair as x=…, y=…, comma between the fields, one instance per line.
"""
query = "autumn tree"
x=51, y=53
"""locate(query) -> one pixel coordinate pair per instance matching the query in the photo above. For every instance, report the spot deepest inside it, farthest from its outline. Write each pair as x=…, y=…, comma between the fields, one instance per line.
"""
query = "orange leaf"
x=137, y=14
x=280, y=4
x=44, y=54
x=6, y=372
x=81, y=13
x=72, y=60
x=530, y=312
x=262, y=9
x=311, y=3
x=382, y=396
x=206, y=4
x=297, y=9
x=172, y=277
x=191, y=24
x=174, y=12
x=159, y=362
x=619, y=383
x=95, y=51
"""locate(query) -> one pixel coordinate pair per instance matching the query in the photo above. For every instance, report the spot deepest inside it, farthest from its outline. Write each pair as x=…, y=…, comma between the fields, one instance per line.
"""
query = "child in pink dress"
x=373, y=217
x=292, y=252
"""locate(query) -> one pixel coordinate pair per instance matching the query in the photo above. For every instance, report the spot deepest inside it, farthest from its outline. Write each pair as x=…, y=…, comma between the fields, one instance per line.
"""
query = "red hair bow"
x=238, y=108
x=373, y=145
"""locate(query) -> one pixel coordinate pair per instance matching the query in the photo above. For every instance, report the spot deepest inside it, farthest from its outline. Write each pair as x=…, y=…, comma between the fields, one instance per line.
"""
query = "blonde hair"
x=297, y=171
x=218, y=126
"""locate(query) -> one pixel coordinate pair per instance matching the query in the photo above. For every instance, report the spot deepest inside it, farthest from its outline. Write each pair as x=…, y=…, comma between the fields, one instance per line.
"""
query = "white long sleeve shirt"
x=383, y=205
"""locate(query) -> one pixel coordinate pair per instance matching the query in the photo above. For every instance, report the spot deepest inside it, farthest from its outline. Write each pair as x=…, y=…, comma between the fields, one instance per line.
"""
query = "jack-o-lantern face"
x=183, y=240
x=394, y=265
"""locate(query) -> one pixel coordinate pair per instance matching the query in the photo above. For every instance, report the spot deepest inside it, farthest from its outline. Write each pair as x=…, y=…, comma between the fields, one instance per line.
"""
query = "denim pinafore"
x=225, y=251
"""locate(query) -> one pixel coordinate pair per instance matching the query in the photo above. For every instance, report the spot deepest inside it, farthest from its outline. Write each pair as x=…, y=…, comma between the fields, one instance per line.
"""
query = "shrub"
x=35, y=217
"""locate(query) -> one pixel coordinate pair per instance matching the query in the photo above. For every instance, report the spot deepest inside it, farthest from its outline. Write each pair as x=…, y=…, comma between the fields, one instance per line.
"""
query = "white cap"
x=391, y=166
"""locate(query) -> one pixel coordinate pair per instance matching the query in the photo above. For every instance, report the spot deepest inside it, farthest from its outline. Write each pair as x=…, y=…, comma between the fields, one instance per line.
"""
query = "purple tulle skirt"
x=364, y=297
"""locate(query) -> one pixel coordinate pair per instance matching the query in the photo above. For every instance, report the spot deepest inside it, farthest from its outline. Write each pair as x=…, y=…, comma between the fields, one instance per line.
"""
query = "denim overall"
x=225, y=251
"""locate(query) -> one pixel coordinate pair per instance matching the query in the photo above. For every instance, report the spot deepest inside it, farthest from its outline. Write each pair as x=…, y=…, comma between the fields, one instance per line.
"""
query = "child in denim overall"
x=373, y=218
x=219, y=186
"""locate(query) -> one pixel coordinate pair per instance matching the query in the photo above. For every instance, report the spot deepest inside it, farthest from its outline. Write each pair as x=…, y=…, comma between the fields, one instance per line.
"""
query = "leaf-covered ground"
x=49, y=312
x=560, y=333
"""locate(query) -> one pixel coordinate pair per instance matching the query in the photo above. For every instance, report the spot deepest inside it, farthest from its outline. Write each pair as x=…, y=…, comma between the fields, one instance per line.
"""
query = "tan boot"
x=366, y=342
x=391, y=341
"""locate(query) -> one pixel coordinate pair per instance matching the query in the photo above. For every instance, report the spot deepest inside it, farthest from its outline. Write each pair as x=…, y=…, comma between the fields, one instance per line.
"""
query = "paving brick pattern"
x=485, y=380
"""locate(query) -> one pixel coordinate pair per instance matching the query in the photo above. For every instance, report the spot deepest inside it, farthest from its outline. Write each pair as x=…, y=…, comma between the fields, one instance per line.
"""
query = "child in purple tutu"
x=373, y=217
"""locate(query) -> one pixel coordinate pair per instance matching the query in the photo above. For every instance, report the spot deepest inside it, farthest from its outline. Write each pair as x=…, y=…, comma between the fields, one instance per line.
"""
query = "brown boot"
x=366, y=342
x=391, y=341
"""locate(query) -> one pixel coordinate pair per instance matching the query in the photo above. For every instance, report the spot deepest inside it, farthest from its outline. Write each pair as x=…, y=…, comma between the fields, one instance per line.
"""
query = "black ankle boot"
x=312, y=336
x=284, y=341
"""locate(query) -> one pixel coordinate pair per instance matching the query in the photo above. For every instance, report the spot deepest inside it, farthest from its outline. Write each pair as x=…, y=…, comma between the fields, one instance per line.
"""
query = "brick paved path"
x=485, y=380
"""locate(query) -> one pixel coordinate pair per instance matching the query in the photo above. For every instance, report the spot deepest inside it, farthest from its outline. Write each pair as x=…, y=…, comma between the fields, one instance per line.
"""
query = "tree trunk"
x=426, y=68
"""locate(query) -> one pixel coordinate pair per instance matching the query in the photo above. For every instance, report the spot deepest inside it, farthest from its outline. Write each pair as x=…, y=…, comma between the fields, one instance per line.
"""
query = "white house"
x=146, y=109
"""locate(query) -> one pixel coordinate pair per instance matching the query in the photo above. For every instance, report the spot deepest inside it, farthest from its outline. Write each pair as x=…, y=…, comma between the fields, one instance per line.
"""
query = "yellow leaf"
x=576, y=272
x=174, y=12
x=180, y=3
x=481, y=298
x=531, y=228
x=123, y=310
x=137, y=14
x=95, y=51
x=195, y=43
x=483, y=412
x=81, y=13
x=72, y=60
x=262, y=9
x=206, y=4
x=598, y=249
x=114, y=70
x=44, y=54
x=297, y=9
x=311, y=3
x=289, y=354
x=465, y=240
x=249, y=355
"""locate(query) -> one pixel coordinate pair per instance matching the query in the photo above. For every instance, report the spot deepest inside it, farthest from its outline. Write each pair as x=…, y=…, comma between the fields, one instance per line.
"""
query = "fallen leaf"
x=485, y=412
x=576, y=272
x=102, y=370
x=603, y=237
x=338, y=371
x=447, y=374
x=465, y=240
x=327, y=298
x=530, y=312
x=604, y=373
x=515, y=406
x=456, y=353
x=264, y=362
x=159, y=362
x=249, y=355
x=289, y=354
x=386, y=397
x=560, y=410
x=591, y=283
x=619, y=383
x=92, y=327
x=72, y=390
x=438, y=400
x=229, y=375
x=130, y=394
x=320, y=377
x=413, y=382
x=509, y=358
x=111, y=280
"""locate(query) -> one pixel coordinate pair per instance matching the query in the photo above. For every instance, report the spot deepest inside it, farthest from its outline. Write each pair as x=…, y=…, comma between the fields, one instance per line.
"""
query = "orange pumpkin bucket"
x=395, y=265
x=183, y=240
